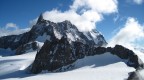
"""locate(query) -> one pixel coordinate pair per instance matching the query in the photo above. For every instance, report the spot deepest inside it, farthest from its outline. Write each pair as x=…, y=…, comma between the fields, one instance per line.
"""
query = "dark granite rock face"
x=125, y=53
x=133, y=76
x=32, y=46
x=14, y=41
x=100, y=50
x=56, y=54
x=8, y=42
x=122, y=52
x=54, y=31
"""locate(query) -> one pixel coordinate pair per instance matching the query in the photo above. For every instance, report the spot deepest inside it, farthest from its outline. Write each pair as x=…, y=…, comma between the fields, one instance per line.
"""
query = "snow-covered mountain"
x=56, y=47
x=67, y=30
x=46, y=30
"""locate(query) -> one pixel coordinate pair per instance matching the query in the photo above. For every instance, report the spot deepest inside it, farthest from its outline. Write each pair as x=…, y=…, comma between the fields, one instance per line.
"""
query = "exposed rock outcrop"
x=32, y=46
x=46, y=30
x=125, y=53
x=56, y=54
x=133, y=76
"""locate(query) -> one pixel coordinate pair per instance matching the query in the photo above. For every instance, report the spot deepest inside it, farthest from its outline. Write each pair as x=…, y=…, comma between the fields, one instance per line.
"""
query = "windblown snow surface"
x=98, y=67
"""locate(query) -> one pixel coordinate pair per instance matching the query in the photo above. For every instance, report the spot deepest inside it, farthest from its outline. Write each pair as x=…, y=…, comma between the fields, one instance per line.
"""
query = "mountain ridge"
x=61, y=44
x=46, y=30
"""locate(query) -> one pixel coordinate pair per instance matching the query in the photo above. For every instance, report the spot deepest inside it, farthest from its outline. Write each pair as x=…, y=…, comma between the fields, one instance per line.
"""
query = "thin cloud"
x=6, y=32
x=32, y=22
x=116, y=18
x=11, y=25
x=12, y=29
x=138, y=1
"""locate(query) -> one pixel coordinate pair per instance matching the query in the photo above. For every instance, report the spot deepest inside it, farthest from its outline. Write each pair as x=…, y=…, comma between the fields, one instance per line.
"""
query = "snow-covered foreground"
x=14, y=64
x=98, y=67
x=141, y=73
x=116, y=71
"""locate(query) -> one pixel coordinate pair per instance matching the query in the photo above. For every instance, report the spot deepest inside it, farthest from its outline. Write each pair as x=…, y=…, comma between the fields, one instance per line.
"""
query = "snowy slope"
x=141, y=74
x=12, y=64
x=98, y=67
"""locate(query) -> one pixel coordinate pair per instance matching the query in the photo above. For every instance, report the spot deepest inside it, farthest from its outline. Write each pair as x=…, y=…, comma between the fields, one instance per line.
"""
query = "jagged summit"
x=65, y=24
x=40, y=18
x=60, y=45
x=46, y=30
x=68, y=30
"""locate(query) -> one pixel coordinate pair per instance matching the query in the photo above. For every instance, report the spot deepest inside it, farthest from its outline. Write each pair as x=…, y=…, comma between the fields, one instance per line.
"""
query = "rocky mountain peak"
x=40, y=19
x=47, y=30
x=59, y=45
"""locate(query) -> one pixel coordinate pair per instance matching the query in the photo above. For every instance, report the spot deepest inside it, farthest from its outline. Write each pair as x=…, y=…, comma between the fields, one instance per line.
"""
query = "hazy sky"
x=109, y=17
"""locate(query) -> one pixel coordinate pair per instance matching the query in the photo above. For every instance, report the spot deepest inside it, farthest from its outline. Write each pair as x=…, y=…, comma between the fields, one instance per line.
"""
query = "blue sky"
x=21, y=12
x=125, y=10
